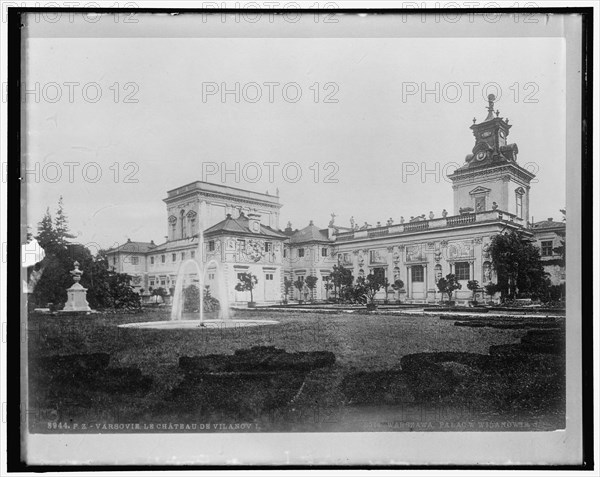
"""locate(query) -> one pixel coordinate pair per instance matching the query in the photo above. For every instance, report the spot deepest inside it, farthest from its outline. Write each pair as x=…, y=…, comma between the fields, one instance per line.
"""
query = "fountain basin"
x=197, y=325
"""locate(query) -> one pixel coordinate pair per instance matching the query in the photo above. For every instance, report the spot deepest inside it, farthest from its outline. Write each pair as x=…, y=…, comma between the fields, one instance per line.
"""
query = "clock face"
x=480, y=156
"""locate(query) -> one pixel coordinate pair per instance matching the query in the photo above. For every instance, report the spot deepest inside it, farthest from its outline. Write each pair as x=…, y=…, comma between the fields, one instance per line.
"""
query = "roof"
x=548, y=224
x=133, y=247
x=241, y=225
x=310, y=233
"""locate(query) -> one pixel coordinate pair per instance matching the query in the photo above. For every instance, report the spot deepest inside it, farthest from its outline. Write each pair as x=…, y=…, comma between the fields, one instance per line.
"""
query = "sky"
x=368, y=144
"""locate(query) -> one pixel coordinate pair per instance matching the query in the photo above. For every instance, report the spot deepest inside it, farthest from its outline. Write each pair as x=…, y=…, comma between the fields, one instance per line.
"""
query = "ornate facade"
x=241, y=233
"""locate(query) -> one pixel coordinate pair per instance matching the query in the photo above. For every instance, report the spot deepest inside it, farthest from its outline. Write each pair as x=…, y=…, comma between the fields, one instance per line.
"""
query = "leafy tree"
x=209, y=302
x=341, y=278
x=311, y=283
x=448, y=285
x=356, y=293
x=397, y=286
x=518, y=264
x=491, y=289
x=372, y=283
x=247, y=282
x=328, y=286
x=561, y=249
x=386, y=287
x=191, y=298
x=161, y=292
x=106, y=288
x=288, y=284
x=473, y=285
x=299, y=284
x=441, y=284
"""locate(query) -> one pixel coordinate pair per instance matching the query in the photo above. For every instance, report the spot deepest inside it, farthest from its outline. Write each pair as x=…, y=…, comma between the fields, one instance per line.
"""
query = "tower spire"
x=490, y=108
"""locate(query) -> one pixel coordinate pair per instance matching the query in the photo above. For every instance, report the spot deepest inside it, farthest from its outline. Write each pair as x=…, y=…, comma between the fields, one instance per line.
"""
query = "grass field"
x=366, y=389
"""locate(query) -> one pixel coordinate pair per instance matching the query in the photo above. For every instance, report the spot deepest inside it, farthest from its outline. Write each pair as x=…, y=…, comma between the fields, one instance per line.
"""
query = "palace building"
x=241, y=233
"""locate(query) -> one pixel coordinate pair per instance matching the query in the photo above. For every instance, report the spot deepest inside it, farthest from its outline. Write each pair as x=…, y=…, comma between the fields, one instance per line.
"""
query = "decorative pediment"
x=191, y=214
x=172, y=219
x=520, y=191
x=480, y=191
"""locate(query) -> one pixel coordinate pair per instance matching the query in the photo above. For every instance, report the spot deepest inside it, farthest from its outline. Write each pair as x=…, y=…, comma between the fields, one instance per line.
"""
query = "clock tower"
x=490, y=178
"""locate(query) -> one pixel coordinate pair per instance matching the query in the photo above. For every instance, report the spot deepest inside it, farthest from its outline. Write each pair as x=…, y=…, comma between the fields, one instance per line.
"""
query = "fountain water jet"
x=176, y=321
x=178, y=296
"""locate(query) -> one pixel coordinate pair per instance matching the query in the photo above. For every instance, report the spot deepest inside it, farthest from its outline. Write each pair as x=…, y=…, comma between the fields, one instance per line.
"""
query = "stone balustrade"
x=439, y=223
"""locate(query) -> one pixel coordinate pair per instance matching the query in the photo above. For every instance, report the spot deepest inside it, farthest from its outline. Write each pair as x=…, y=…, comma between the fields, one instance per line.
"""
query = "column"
x=425, y=282
x=408, y=283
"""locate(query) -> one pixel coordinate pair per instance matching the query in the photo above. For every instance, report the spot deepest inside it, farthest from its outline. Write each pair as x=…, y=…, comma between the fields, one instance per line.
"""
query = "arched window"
x=172, y=227
x=191, y=216
x=182, y=224
x=519, y=193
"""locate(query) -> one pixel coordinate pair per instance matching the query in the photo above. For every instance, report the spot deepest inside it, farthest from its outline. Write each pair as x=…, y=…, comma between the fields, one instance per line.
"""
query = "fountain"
x=179, y=298
x=224, y=317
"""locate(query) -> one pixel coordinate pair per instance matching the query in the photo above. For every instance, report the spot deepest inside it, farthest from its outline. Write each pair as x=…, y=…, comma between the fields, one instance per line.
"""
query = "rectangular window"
x=211, y=276
x=547, y=248
x=284, y=252
x=174, y=257
x=300, y=252
x=519, y=212
x=151, y=283
x=462, y=270
x=193, y=254
x=239, y=275
x=268, y=246
x=268, y=276
x=135, y=260
x=379, y=272
x=211, y=245
x=417, y=273
x=162, y=282
x=162, y=258
x=151, y=260
x=324, y=252
x=182, y=255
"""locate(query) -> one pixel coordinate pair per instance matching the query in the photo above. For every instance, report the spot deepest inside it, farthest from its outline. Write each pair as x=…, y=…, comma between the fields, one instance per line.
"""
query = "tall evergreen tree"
x=61, y=225
x=46, y=234
x=106, y=289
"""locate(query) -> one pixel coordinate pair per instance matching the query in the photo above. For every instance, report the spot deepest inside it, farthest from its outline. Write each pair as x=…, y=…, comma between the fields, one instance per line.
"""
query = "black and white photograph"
x=298, y=235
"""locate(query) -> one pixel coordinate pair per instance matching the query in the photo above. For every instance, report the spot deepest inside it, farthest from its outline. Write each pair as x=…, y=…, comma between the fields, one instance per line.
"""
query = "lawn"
x=390, y=373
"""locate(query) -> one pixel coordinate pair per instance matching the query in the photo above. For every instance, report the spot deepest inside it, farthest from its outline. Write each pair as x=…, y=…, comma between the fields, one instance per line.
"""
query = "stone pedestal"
x=77, y=295
x=77, y=299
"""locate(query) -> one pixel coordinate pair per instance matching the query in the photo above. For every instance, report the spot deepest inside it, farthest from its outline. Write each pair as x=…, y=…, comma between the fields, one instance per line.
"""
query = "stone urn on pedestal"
x=77, y=295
